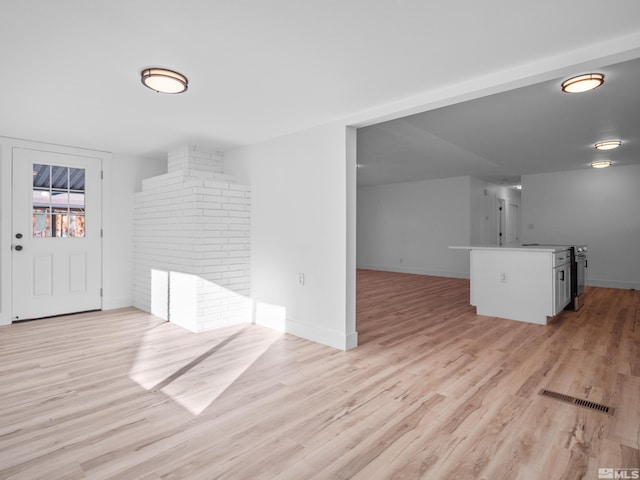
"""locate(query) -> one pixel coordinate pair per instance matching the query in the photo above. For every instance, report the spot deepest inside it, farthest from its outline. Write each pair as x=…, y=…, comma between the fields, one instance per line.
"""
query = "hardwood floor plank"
x=433, y=391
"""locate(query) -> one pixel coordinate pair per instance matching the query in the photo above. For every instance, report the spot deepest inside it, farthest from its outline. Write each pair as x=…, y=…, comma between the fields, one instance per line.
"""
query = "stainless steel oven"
x=579, y=265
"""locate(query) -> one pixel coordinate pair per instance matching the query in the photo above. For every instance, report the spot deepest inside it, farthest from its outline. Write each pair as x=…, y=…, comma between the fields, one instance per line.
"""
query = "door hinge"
x=101, y=233
x=101, y=174
x=100, y=292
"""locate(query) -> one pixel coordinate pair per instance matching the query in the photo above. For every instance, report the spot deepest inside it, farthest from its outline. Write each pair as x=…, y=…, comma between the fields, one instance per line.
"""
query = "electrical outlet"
x=301, y=279
x=504, y=277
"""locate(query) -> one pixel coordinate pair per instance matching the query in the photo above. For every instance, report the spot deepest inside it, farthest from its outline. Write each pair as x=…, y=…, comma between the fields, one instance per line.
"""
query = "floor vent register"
x=577, y=401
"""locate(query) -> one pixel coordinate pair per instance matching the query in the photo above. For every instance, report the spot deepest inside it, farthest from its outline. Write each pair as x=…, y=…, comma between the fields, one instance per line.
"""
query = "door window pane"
x=58, y=201
x=60, y=177
x=41, y=223
x=76, y=179
x=76, y=226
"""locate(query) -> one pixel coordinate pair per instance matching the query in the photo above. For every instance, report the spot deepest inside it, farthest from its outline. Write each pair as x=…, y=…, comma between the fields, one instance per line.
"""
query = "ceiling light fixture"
x=583, y=83
x=608, y=144
x=601, y=164
x=162, y=80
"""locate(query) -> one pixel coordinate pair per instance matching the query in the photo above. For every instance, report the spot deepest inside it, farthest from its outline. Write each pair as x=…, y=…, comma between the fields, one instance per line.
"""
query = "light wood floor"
x=433, y=391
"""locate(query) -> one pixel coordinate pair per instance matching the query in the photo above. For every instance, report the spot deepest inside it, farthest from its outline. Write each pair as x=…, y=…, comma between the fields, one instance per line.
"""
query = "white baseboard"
x=415, y=270
x=351, y=341
x=331, y=338
x=111, y=303
x=613, y=284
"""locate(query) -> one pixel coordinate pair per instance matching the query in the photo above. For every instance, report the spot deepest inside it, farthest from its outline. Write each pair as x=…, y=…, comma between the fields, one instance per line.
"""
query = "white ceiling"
x=259, y=69
x=533, y=129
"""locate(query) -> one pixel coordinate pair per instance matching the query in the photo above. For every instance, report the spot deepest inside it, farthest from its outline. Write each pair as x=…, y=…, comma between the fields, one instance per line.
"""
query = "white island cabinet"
x=529, y=284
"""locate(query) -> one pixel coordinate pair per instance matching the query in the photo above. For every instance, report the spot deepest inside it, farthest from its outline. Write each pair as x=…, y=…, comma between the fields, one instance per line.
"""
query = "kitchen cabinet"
x=529, y=284
x=561, y=280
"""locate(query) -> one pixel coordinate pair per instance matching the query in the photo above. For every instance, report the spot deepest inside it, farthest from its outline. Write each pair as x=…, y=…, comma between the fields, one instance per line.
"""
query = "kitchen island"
x=525, y=283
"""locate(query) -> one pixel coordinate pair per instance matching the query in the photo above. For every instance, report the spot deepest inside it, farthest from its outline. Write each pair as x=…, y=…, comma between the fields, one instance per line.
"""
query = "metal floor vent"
x=577, y=401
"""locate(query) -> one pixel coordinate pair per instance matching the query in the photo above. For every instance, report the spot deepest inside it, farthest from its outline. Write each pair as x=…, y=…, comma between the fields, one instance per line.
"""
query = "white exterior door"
x=56, y=234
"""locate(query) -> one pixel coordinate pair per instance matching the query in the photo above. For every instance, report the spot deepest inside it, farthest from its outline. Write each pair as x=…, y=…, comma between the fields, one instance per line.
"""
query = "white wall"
x=598, y=207
x=122, y=177
x=408, y=227
x=299, y=225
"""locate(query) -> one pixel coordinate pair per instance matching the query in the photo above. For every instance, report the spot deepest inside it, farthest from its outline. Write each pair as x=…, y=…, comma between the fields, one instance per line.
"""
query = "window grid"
x=58, y=201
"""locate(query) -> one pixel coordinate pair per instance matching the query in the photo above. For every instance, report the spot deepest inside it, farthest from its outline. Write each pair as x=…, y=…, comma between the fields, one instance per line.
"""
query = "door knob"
x=18, y=247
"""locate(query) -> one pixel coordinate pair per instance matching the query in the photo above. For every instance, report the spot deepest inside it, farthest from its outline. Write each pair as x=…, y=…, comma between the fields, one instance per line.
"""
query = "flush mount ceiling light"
x=164, y=81
x=608, y=144
x=601, y=164
x=583, y=83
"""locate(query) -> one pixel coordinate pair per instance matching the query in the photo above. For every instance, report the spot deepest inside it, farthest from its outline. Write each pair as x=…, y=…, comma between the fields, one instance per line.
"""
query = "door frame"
x=501, y=220
x=7, y=145
x=513, y=206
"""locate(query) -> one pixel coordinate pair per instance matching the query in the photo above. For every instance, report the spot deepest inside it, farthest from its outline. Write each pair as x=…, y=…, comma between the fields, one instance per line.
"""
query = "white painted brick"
x=214, y=216
x=234, y=207
x=223, y=177
x=242, y=240
x=233, y=193
x=217, y=185
x=204, y=193
x=240, y=200
x=235, y=234
x=195, y=220
x=238, y=266
x=234, y=260
x=210, y=223
x=212, y=233
x=239, y=214
x=234, y=246
x=235, y=220
x=234, y=274
x=240, y=227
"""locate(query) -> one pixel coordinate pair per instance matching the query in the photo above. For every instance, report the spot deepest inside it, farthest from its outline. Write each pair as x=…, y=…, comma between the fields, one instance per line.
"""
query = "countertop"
x=513, y=248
